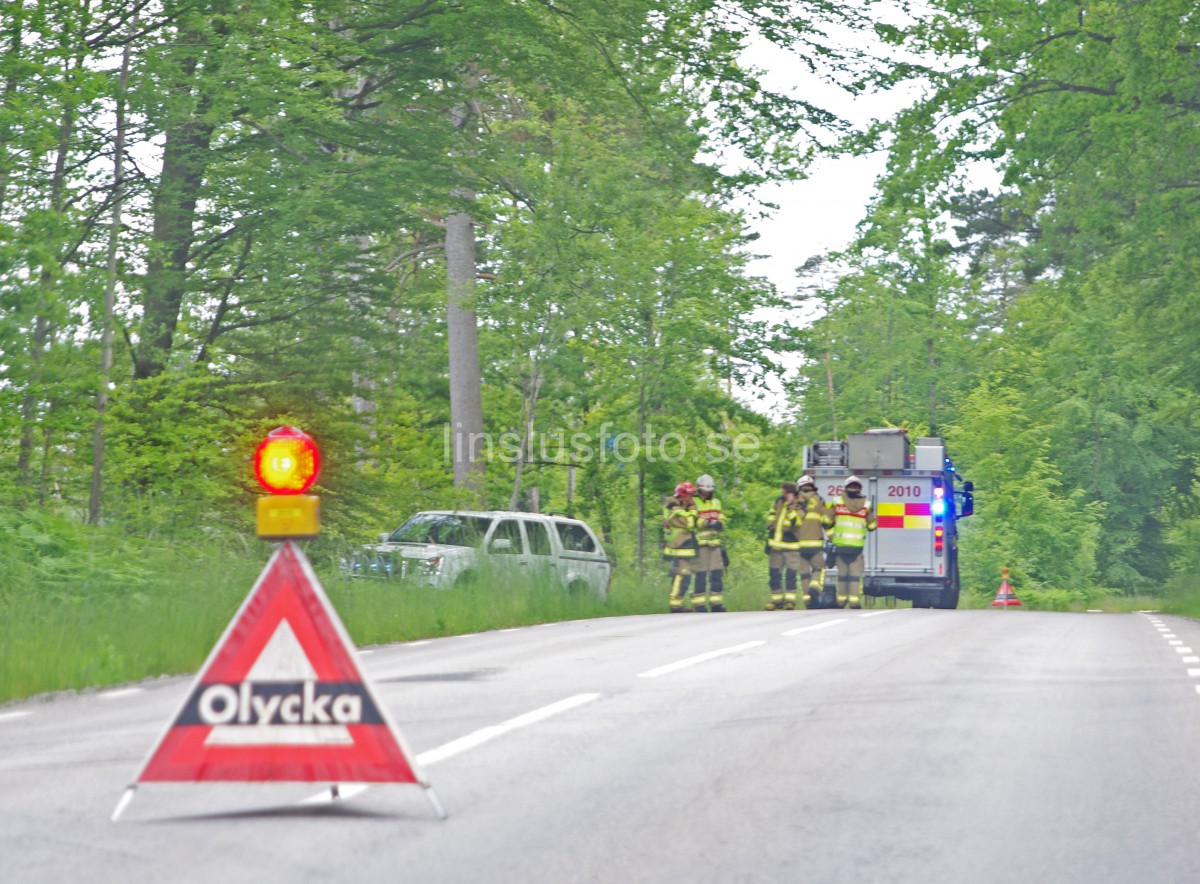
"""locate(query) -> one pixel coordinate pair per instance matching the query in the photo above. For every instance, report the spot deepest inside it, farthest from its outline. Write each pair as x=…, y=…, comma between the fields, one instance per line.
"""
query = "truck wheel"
x=948, y=597
x=465, y=580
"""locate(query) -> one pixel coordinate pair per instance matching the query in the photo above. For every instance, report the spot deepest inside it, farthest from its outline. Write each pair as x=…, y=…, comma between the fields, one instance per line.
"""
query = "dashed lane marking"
x=699, y=658
x=1190, y=660
x=484, y=735
x=8, y=716
x=1194, y=673
x=1183, y=650
x=120, y=692
x=801, y=629
x=463, y=744
x=877, y=613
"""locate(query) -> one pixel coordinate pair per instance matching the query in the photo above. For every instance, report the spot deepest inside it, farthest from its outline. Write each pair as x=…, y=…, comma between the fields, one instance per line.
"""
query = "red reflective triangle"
x=281, y=698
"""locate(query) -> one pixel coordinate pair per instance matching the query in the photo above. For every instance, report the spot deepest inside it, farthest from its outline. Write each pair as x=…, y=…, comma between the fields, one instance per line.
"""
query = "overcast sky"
x=820, y=213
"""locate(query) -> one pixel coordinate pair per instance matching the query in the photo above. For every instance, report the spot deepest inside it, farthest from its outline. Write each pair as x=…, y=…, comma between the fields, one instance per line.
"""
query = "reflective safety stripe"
x=684, y=552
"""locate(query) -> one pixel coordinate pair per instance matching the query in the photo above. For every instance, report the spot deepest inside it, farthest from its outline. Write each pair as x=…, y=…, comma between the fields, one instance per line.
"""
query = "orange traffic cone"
x=1005, y=597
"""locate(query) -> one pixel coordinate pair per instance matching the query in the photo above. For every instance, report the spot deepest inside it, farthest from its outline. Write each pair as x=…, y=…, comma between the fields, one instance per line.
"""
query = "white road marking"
x=5, y=716
x=423, y=641
x=483, y=735
x=510, y=629
x=699, y=658
x=120, y=692
x=1194, y=673
x=1169, y=635
x=1095, y=610
x=1190, y=660
x=801, y=629
x=462, y=744
x=877, y=613
x=368, y=651
x=1175, y=643
x=1198, y=689
x=1183, y=650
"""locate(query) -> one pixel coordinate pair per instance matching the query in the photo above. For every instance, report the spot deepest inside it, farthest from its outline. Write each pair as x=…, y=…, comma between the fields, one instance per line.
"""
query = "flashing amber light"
x=287, y=461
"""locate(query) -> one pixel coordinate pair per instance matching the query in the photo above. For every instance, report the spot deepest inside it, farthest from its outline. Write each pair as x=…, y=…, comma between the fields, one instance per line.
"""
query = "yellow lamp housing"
x=288, y=516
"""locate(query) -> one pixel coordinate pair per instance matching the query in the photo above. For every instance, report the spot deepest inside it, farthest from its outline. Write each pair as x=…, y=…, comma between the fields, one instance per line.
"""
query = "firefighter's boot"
x=775, y=582
x=700, y=593
x=844, y=590
x=679, y=588
x=789, y=591
x=855, y=598
x=716, y=591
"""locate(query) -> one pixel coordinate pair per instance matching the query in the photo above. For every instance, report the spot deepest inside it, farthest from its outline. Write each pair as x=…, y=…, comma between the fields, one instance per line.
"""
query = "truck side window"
x=539, y=539
x=510, y=530
x=574, y=537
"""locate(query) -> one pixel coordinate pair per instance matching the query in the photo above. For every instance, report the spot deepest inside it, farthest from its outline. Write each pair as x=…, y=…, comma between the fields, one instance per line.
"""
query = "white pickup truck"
x=453, y=548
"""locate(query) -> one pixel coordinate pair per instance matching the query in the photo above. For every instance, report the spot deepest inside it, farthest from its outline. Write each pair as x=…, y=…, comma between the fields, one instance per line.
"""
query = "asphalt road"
x=873, y=746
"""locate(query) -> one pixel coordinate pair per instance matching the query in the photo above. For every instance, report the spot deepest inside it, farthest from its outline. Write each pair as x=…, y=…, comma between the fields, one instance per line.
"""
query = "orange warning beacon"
x=286, y=464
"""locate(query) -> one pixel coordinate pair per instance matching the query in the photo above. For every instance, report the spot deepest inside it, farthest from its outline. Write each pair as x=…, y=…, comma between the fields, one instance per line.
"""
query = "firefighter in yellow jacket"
x=817, y=516
x=853, y=518
x=783, y=548
x=679, y=548
x=708, y=593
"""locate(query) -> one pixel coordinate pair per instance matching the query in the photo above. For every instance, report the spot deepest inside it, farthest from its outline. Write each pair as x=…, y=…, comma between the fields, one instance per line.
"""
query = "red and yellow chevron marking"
x=905, y=515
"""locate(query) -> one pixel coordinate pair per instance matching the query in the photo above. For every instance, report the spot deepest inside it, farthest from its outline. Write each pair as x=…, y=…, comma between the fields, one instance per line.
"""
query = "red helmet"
x=685, y=489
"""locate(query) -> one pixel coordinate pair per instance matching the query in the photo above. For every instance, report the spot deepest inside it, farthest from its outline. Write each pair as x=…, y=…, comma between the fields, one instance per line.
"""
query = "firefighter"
x=709, y=591
x=783, y=548
x=817, y=517
x=853, y=518
x=679, y=548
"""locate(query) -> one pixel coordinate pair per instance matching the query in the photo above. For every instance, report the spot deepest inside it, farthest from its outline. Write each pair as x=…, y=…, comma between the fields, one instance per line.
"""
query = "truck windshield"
x=442, y=528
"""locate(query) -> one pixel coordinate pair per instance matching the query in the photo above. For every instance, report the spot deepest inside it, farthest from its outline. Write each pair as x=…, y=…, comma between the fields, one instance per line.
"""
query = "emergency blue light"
x=938, y=507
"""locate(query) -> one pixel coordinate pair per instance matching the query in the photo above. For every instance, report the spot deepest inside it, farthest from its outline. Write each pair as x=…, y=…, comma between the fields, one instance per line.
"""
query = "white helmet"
x=853, y=480
x=705, y=483
x=806, y=480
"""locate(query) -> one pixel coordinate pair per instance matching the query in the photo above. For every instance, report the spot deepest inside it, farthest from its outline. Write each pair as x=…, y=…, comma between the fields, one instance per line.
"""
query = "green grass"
x=99, y=633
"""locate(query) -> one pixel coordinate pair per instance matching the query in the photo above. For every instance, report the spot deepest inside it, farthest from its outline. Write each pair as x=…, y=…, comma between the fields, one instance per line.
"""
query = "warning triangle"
x=281, y=698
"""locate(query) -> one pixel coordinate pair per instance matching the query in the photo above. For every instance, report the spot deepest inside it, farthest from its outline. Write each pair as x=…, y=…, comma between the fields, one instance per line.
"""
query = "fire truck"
x=918, y=499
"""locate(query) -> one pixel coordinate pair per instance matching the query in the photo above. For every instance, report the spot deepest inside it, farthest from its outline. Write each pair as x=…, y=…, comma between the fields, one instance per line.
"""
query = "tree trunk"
x=462, y=335
x=96, y=494
x=185, y=162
